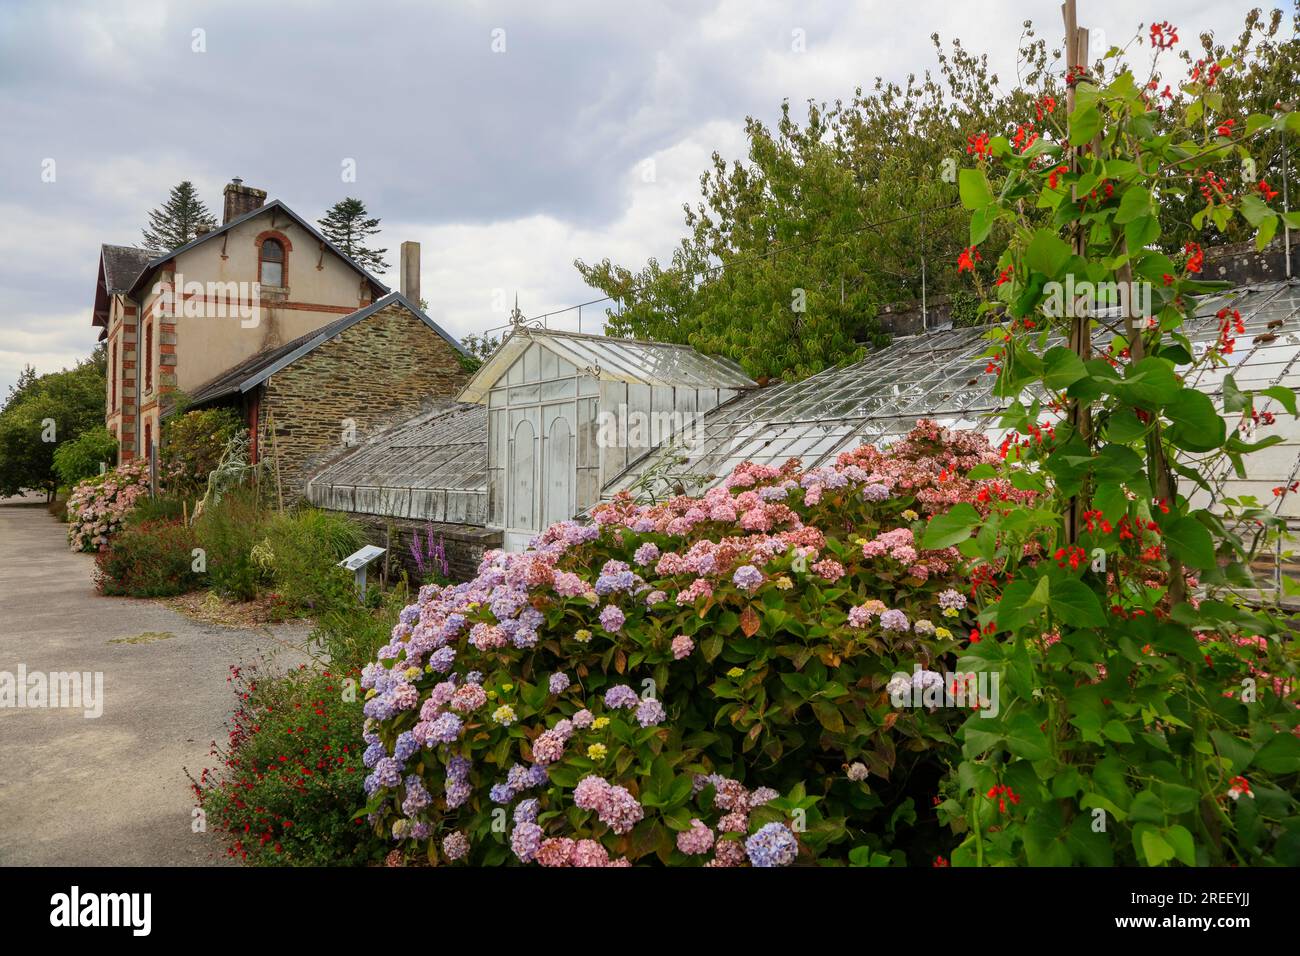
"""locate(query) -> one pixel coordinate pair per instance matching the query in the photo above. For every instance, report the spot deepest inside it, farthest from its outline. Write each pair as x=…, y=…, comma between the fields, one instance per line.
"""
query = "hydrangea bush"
x=705, y=681
x=98, y=506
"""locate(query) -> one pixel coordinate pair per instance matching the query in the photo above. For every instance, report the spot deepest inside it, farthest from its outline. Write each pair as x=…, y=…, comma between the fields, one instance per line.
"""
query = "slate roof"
x=256, y=369
x=122, y=265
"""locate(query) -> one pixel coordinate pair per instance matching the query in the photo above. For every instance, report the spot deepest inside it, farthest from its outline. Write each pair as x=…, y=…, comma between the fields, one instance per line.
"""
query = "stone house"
x=173, y=320
x=327, y=390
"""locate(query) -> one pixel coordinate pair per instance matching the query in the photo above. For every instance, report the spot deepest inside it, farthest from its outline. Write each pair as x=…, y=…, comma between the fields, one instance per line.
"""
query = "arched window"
x=270, y=271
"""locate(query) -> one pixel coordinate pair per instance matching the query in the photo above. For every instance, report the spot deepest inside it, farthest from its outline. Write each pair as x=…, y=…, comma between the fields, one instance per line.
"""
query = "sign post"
x=357, y=562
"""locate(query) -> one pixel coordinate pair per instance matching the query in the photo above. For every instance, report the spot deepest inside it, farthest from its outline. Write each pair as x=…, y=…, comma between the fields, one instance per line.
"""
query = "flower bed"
x=98, y=506
x=702, y=682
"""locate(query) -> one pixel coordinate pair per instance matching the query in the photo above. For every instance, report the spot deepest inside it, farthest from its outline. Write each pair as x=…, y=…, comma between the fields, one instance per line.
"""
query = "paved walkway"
x=109, y=791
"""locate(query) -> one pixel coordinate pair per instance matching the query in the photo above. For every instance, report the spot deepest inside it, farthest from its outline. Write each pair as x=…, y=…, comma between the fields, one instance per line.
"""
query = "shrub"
x=351, y=633
x=82, y=456
x=151, y=558
x=228, y=533
x=192, y=447
x=284, y=789
x=302, y=550
x=98, y=506
x=157, y=509
x=686, y=682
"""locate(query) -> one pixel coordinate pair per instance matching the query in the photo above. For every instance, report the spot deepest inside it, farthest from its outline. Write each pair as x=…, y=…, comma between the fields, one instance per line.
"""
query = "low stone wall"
x=464, y=544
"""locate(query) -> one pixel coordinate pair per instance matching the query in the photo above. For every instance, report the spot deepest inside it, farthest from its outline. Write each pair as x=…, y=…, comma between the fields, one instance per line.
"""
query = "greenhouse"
x=943, y=375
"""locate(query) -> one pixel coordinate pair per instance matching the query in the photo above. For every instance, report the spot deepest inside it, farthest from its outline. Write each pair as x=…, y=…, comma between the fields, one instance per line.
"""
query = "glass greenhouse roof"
x=432, y=467
x=612, y=360
x=941, y=376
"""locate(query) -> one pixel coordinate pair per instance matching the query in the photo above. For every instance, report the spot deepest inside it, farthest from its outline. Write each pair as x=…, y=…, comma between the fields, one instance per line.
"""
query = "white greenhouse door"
x=558, y=473
x=521, y=506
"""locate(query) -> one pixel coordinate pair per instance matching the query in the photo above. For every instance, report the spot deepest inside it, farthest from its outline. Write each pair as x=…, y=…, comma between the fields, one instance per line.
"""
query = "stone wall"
x=379, y=369
x=464, y=544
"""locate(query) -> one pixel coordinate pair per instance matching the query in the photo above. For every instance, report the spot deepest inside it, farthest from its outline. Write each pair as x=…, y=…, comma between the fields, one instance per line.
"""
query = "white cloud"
x=506, y=168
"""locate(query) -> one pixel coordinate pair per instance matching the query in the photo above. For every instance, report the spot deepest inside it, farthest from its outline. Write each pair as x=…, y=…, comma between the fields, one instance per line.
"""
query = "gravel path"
x=110, y=790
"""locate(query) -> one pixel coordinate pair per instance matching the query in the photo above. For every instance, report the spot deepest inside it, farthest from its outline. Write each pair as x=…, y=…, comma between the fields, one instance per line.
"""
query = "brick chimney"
x=241, y=199
x=410, y=278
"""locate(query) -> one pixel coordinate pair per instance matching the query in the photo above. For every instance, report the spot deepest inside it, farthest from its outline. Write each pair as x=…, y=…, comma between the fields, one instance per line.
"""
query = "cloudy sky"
x=506, y=164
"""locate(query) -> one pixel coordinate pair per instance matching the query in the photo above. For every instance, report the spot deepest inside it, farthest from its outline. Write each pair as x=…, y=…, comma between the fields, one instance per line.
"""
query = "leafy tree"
x=53, y=409
x=81, y=457
x=348, y=226
x=481, y=346
x=789, y=255
x=26, y=379
x=177, y=221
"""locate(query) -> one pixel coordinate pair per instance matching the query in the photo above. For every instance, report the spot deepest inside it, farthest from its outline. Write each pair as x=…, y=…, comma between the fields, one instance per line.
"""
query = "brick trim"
x=285, y=245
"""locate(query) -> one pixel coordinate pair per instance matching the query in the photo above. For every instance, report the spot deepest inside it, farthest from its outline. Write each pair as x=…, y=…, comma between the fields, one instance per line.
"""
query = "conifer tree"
x=348, y=225
x=177, y=221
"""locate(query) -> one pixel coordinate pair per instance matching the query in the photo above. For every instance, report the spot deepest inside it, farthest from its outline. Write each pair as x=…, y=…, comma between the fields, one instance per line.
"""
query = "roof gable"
x=273, y=206
x=119, y=267
x=611, y=360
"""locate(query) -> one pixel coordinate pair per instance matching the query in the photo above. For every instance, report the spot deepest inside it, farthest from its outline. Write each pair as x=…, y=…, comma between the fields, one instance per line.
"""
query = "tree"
x=82, y=456
x=481, y=346
x=348, y=225
x=26, y=381
x=790, y=255
x=177, y=221
x=53, y=409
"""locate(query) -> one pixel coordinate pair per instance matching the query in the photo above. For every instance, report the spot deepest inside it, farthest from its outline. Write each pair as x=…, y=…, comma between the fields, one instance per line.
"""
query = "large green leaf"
x=1190, y=542
x=1197, y=425
x=1047, y=253
x=973, y=187
x=950, y=528
x=1075, y=603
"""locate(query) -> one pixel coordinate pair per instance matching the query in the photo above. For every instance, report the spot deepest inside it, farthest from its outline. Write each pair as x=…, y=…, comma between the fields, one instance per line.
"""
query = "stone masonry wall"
x=464, y=544
x=382, y=368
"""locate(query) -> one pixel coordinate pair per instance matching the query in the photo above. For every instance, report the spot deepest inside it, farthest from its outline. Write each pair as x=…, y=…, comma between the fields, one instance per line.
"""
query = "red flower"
x=1163, y=35
x=1195, y=257
x=978, y=144
x=1266, y=191
x=969, y=256
x=1225, y=128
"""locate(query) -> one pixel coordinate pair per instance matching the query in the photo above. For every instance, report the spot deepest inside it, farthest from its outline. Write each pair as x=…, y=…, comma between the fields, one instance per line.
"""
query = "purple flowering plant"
x=734, y=703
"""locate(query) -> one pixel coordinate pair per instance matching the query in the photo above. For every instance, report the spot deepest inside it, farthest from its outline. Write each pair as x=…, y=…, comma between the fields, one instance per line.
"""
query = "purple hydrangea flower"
x=525, y=840
x=894, y=620
x=558, y=683
x=612, y=619
x=772, y=845
x=747, y=577
x=620, y=695
x=649, y=712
